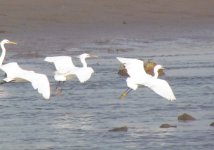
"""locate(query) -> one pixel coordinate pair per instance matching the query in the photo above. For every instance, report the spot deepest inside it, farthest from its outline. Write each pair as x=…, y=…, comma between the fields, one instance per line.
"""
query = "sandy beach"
x=83, y=21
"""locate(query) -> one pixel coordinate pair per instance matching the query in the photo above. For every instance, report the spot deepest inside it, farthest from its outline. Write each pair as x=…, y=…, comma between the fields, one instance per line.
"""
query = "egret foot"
x=123, y=95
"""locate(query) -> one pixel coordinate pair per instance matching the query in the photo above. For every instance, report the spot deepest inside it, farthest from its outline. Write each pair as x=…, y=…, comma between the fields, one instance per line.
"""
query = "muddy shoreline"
x=82, y=21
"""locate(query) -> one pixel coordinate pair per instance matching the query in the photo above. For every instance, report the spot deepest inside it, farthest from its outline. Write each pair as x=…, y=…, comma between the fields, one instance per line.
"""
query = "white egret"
x=156, y=69
x=83, y=73
x=3, y=42
x=65, y=68
x=14, y=71
x=138, y=76
x=63, y=65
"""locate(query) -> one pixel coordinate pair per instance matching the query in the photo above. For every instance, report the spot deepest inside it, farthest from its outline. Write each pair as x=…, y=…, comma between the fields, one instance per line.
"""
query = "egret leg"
x=58, y=85
x=59, y=88
x=125, y=93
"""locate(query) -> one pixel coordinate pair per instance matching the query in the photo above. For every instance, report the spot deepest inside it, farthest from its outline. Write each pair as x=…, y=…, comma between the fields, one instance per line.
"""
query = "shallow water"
x=81, y=117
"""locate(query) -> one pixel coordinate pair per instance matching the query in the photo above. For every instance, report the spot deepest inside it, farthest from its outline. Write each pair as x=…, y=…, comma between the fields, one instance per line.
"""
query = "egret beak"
x=11, y=42
x=93, y=56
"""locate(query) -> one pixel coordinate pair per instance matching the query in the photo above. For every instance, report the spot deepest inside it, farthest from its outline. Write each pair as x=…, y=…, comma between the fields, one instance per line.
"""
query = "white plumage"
x=13, y=72
x=138, y=76
x=61, y=62
x=39, y=81
x=82, y=73
x=65, y=68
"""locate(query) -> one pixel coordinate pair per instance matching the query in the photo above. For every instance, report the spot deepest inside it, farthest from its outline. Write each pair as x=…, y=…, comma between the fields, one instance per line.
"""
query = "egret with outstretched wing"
x=138, y=76
x=14, y=71
x=65, y=68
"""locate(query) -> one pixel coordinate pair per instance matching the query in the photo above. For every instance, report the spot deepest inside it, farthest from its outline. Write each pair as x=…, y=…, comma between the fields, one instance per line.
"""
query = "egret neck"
x=3, y=53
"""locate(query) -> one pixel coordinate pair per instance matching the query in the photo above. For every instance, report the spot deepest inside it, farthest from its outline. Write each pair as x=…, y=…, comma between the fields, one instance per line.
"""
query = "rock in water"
x=166, y=125
x=212, y=124
x=185, y=117
x=122, y=71
x=119, y=129
x=148, y=66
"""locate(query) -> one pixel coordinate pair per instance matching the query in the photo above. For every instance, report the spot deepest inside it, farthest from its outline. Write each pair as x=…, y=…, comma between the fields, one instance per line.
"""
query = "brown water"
x=81, y=117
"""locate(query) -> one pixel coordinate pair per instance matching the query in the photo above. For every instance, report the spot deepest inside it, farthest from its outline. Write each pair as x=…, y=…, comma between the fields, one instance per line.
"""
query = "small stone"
x=185, y=117
x=119, y=129
x=212, y=124
x=124, y=22
x=166, y=125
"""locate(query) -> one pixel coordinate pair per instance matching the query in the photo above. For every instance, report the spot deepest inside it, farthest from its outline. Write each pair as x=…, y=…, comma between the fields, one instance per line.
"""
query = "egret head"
x=5, y=41
x=158, y=67
x=157, y=70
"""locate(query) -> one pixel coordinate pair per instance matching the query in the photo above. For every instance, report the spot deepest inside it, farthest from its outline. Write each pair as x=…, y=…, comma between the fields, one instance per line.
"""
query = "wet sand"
x=84, y=21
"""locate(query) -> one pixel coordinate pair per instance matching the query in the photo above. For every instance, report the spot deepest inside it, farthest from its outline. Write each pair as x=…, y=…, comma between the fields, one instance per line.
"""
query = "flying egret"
x=156, y=74
x=65, y=69
x=83, y=73
x=138, y=76
x=14, y=71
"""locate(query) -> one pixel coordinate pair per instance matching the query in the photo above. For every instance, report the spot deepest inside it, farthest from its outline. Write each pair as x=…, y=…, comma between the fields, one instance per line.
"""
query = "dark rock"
x=119, y=129
x=148, y=66
x=185, y=117
x=122, y=71
x=166, y=125
x=212, y=124
x=124, y=22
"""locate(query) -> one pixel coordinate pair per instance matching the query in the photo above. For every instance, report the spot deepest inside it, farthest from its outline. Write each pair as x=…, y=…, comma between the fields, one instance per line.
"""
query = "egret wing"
x=41, y=83
x=161, y=87
x=11, y=69
x=135, y=67
x=61, y=62
x=38, y=81
x=83, y=74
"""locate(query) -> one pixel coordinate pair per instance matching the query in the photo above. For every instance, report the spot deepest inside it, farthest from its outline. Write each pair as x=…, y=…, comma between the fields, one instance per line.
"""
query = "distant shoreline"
x=83, y=21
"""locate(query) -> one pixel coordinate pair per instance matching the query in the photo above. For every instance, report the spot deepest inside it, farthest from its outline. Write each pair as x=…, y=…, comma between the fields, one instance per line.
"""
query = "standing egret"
x=65, y=68
x=14, y=71
x=138, y=76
